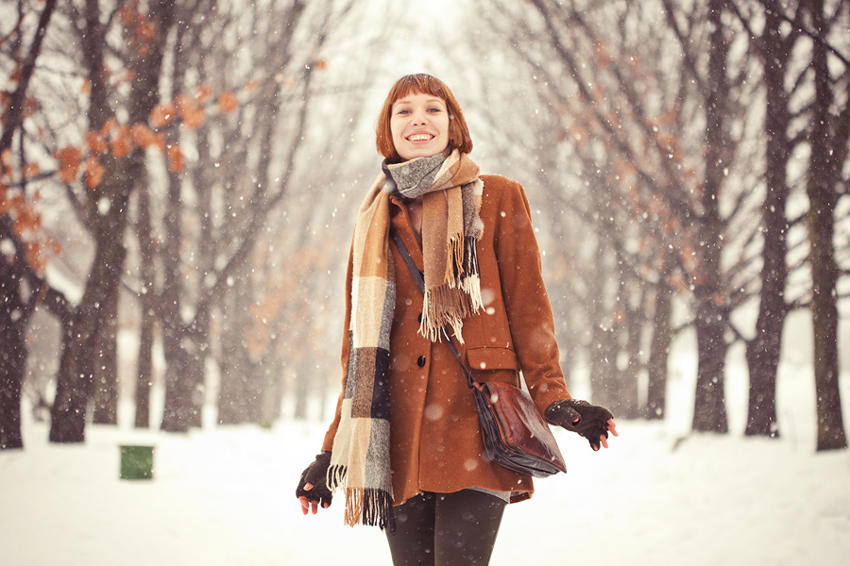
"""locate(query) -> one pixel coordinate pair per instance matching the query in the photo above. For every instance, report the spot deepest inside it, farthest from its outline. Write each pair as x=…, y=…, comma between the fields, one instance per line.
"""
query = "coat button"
x=421, y=361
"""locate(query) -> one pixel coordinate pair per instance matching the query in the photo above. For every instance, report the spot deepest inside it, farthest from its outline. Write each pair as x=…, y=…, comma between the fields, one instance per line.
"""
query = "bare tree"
x=773, y=48
x=654, y=125
x=21, y=288
x=107, y=202
x=828, y=138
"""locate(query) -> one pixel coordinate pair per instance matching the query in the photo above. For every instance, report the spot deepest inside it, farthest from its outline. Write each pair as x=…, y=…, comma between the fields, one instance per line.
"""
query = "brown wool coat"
x=435, y=439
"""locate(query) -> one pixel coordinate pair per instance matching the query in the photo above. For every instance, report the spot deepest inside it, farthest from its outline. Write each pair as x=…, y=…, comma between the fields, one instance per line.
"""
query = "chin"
x=421, y=153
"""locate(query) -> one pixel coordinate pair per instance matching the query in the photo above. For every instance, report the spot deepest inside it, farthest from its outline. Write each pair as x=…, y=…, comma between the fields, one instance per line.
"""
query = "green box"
x=136, y=462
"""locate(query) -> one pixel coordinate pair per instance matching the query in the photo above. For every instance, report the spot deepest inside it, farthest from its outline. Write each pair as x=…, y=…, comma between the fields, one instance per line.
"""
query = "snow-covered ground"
x=659, y=496
x=226, y=497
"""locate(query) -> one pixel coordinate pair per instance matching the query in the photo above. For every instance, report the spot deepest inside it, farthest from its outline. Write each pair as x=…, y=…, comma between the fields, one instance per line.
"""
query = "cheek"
x=444, y=126
x=395, y=129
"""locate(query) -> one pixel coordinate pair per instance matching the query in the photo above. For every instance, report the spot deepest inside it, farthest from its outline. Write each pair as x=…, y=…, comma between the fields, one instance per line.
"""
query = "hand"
x=312, y=487
x=590, y=421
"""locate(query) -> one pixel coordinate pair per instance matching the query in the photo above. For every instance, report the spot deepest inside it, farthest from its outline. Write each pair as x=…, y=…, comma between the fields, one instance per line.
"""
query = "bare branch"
x=15, y=112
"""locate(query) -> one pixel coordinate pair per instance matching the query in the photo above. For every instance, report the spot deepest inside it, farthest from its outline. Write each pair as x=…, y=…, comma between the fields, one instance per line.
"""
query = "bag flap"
x=521, y=425
x=491, y=358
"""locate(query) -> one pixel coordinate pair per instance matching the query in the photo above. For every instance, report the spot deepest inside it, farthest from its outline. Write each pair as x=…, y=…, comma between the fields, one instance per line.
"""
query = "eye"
x=403, y=111
x=435, y=109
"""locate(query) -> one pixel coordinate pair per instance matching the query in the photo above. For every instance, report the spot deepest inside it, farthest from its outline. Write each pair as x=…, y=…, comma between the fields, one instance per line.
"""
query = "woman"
x=405, y=442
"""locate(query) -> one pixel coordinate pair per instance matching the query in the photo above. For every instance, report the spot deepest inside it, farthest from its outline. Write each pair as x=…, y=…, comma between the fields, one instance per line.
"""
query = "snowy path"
x=225, y=497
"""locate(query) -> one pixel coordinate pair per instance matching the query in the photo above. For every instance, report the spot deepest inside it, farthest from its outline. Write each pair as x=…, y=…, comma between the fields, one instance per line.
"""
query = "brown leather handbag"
x=514, y=433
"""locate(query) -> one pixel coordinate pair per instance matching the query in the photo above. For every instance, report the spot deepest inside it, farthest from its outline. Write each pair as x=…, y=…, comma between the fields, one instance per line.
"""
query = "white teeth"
x=419, y=137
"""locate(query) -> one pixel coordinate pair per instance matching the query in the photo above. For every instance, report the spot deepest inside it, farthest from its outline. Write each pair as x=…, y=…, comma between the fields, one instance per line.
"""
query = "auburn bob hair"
x=425, y=84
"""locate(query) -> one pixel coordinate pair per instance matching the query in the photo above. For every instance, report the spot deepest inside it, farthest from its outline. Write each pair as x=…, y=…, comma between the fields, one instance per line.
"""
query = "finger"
x=325, y=505
x=315, y=506
x=603, y=439
x=612, y=427
x=304, y=504
x=308, y=486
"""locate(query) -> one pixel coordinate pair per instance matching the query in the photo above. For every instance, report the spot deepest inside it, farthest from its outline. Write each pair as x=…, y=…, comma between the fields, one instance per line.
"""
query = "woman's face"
x=420, y=125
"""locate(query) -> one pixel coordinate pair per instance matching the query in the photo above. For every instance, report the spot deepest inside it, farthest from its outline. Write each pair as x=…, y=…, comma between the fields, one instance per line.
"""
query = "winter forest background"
x=179, y=182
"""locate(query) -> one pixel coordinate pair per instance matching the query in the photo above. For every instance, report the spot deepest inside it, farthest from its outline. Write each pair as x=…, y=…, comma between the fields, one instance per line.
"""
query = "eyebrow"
x=405, y=101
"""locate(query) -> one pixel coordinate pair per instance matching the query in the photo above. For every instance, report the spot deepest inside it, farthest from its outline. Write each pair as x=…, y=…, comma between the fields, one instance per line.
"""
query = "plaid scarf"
x=451, y=227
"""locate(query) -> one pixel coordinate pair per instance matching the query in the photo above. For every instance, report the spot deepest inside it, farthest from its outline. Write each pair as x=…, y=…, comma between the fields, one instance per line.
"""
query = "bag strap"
x=420, y=282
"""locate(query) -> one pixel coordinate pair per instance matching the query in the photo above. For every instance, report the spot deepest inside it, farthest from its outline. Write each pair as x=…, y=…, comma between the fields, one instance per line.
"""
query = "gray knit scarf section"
x=412, y=179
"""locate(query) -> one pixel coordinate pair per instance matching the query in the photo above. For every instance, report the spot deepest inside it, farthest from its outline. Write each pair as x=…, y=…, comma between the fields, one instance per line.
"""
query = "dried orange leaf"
x=227, y=102
x=30, y=106
x=142, y=135
x=107, y=126
x=203, y=93
x=127, y=14
x=194, y=118
x=94, y=172
x=96, y=142
x=175, y=159
x=145, y=30
x=161, y=115
x=35, y=258
x=69, y=163
x=122, y=143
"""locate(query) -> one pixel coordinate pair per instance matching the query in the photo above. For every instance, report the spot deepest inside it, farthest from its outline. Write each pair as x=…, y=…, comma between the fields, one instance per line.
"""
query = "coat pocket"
x=493, y=364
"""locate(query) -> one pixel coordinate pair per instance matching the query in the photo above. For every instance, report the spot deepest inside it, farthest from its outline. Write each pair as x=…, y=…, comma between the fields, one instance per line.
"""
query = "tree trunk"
x=628, y=325
x=273, y=393
x=14, y=314
x=76, y=369
x=659, y=350
x=106, y=370
x=144, y=360
x=823, y=175
x=603, y=345
x=238, y=390
x=711, y=320
x=709, y=404
x=75, y=379
x=302, y=391
x=13, y=354
x=196, y=346
x=764, y=349
x=144, y=368
x=179, y=411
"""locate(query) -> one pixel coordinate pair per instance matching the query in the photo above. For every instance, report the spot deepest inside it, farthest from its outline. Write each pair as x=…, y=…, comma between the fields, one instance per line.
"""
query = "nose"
x=420, y=117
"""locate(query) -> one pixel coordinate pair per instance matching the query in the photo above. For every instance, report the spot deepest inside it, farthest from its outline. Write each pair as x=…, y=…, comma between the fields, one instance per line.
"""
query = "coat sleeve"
x=327, y=445
x=526, y=301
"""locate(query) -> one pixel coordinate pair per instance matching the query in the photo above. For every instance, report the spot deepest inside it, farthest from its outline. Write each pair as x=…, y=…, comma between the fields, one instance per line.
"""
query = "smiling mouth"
x=420, y=138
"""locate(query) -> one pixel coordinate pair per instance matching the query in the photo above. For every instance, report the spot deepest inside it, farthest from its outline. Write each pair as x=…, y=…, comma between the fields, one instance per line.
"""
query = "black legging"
x=446, y=529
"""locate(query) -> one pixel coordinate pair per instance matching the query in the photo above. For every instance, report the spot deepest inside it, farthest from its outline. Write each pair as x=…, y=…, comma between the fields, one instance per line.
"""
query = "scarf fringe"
x=335, y=476
x=449, y=305
x=455, y=265
x=369, y=506
x=470, y=250
x=459, y=297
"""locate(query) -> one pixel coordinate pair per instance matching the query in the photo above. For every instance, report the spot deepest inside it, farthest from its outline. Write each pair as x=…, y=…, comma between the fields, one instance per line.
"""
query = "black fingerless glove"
x=590, y=421
x=316, y=475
